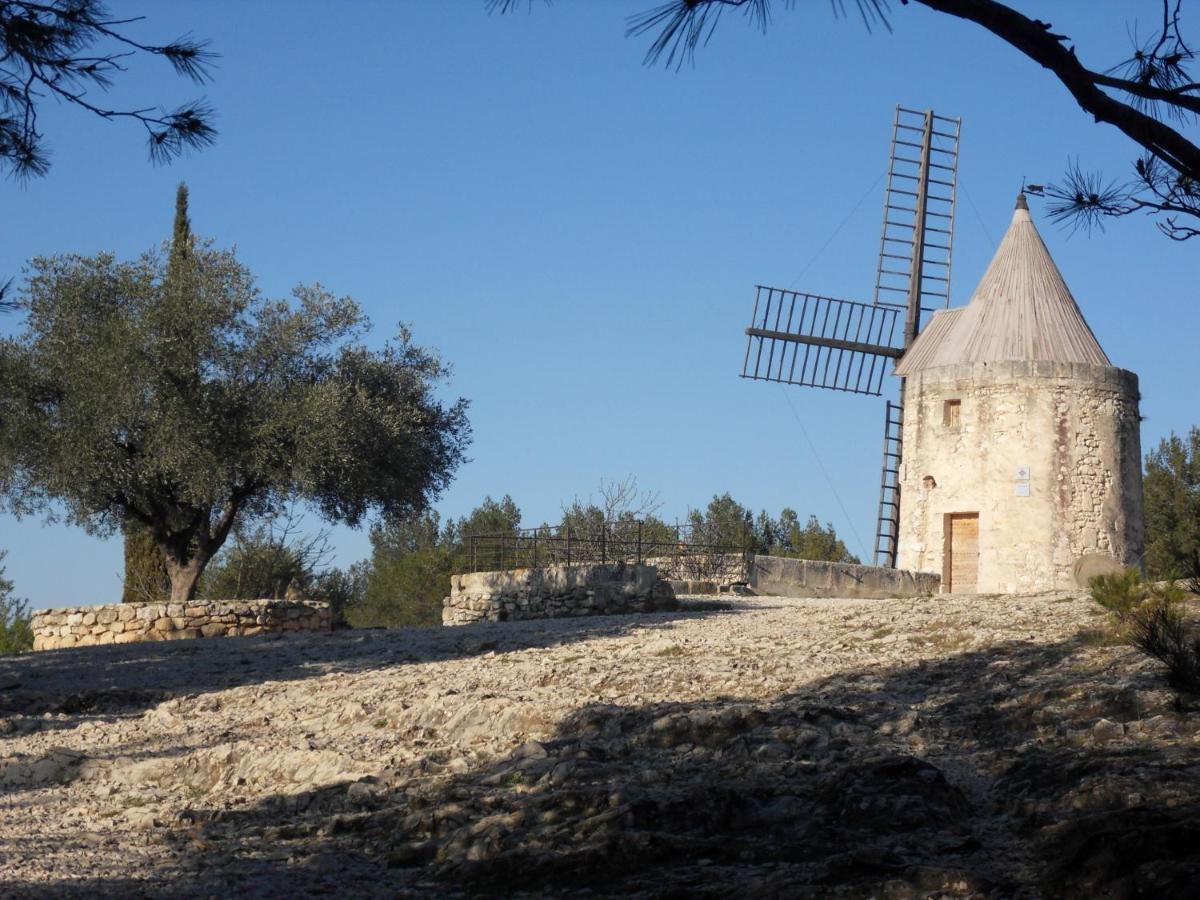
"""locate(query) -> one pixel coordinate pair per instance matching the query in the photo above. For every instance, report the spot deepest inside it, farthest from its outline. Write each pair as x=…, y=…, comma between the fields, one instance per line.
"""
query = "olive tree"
x=187, y=402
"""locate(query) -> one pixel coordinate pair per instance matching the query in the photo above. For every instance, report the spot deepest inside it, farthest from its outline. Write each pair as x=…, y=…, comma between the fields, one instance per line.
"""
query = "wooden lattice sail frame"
x=843, y=345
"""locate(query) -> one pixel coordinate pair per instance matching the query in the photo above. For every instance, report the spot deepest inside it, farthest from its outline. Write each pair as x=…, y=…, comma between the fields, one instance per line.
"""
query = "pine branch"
x=46, y=49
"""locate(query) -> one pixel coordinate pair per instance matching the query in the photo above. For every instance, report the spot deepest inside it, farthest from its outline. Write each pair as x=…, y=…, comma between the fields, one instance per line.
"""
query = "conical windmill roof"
x=1021, y=310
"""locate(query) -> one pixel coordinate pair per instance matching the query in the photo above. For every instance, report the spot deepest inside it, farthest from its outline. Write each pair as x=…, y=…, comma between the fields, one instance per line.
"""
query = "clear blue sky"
x=579, y=235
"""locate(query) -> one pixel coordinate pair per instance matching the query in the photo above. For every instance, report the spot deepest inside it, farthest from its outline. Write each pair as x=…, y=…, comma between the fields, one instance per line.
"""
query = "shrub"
x=16, y=632
x=271, y=559
x=1152, y=618
x=342, y=589
x=276, y=560
x=255, y=568
x=403, y=589
x=146, y=577
x=1192, y=580
x=1159, y=630
x=1118, y=592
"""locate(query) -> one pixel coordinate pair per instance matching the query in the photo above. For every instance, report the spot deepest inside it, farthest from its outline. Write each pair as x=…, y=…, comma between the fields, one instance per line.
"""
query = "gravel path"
x=936, y=747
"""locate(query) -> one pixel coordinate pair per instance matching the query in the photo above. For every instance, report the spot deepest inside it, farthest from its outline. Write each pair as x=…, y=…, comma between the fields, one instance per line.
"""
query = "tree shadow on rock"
x=992, y=773
x=126, y=679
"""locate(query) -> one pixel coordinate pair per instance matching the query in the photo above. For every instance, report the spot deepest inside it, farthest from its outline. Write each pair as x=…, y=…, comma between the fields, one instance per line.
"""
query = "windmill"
x=845, y=345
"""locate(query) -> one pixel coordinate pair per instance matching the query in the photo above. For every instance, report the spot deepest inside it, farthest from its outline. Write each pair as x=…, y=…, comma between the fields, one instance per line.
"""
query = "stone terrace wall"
x=721, y=569
x=555, y=591
x=786, y=577
x=124, y=623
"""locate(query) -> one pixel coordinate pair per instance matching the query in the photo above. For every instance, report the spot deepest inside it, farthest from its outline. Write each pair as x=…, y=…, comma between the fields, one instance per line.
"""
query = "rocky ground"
x=945, y=747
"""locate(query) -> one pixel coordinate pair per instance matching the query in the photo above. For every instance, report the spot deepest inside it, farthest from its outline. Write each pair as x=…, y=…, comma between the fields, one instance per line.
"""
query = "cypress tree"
x=146, y=575
x=181, y=236
x=145, y=571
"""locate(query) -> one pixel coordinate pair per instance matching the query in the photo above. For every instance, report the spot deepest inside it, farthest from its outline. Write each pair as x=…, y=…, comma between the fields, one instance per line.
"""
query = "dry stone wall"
x=555, y=591
x=125, y=623
x=719, y=569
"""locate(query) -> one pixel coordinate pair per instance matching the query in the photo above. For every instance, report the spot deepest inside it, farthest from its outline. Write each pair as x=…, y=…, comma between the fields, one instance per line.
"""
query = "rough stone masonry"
x=125, y=623
x=1022, y=454
x=555, y=591
x=1048, y=456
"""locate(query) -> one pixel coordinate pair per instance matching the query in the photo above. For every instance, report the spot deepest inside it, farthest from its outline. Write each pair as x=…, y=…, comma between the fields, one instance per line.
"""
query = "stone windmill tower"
x=1022, y=457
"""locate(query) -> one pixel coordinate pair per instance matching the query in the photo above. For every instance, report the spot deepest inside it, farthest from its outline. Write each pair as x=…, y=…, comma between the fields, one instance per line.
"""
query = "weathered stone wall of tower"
x=1047, y=454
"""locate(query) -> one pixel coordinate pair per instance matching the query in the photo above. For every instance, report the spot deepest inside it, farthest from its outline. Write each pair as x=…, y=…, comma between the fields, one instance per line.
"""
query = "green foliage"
x=810, y=541
x=72, y=51
x=412, y=558
x=404, y=590
x=727, y=523
x=1152, y=618
x=181, y=232
x=173, y=393
x=1160, y=630
x=656, y=533
x=1119, y=592
x=1172, y=507
x=257, y=567
x=773, y=533
x=489, y=517
x=342, y=589
x=585, y=520
x=275, y=560
x=724, y=523
x=16, y=633
x=146, y=577
x=588, y=521
x=408, y=574
x=623, y=514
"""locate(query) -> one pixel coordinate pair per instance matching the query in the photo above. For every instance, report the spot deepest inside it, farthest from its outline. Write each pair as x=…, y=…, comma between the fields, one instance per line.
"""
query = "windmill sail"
x=813, y=341
x=842, y=345
x=918, y=213
x=914, y=266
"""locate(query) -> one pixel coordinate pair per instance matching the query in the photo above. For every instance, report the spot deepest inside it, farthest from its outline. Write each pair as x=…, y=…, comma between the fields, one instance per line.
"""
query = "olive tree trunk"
x=187, y=552
x=185, y=577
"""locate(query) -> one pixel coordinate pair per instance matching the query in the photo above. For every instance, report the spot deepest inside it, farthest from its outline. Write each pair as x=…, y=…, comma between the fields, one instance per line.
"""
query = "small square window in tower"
x=952, y=413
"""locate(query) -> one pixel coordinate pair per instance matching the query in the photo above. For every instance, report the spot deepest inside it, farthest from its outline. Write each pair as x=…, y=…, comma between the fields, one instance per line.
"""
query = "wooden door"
x=960, y=563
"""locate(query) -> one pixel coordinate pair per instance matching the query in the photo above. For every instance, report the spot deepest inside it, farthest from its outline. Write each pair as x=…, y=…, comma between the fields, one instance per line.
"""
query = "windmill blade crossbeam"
x=805, y=339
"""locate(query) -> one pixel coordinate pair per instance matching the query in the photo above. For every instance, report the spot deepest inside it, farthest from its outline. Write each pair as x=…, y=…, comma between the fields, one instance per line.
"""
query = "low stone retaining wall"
x=124, y=623
x=719, y=569
x=785, y=577
x=555, y=591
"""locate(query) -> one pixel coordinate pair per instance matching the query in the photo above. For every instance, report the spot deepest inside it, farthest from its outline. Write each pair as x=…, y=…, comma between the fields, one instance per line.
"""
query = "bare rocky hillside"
x=805, y=748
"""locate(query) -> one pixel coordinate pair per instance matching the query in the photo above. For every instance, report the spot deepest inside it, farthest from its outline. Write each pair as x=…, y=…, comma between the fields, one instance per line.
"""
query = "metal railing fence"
x=687, y=547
